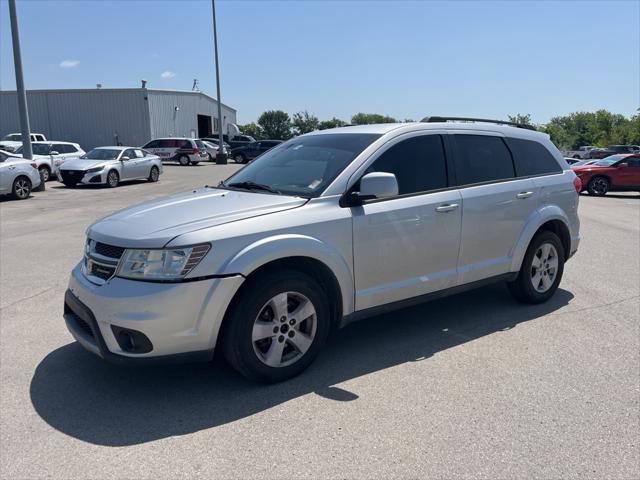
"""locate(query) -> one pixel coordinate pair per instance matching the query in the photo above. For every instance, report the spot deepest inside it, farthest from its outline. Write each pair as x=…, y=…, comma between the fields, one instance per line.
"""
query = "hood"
x=83, y=164
x=153, y=224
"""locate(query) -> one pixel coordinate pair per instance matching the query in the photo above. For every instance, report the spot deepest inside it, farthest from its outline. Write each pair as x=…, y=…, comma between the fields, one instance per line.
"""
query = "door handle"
x=447, y=207
x=12, y=167
x=524, y=194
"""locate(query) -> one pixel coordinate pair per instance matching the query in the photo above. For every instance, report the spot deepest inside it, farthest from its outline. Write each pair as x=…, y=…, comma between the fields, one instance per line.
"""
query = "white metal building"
x=107, y=116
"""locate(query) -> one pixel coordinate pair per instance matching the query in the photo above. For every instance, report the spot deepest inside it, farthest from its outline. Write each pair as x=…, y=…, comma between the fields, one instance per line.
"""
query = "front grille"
x=103, y=272
x=110, y=251
x=84, y=326
x=72, y=176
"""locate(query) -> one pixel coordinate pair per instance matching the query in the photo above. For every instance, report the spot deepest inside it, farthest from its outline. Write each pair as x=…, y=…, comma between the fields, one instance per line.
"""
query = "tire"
x=598, y=186
x=45, y=173
x=184, y=160
x=194, y=163
x=154, y=174
x=113, y=179
x=278, y=352
x=536, y=284
x=21, y=188
x=239, y=158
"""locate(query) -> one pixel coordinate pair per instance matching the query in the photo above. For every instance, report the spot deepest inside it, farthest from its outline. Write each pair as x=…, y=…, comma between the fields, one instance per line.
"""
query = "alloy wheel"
x=22, y=188
x=600, y=186
x=544, y=267
x=284, y=329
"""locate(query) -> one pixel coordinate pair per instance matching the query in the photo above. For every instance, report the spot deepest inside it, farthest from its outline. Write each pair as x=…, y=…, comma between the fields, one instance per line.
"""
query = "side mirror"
x=375, y=185
x=122, y=159
x=54, y=153
x=623, y=165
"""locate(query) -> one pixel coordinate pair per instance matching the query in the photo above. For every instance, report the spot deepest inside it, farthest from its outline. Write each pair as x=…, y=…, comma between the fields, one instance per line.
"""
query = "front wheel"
x=45, y=174
x=21, y=188
x=154, y=174
x=277, y=326
x=183, y=160
x=238, y=158
x=541, y=269
x=113, y=179
x=598, y=186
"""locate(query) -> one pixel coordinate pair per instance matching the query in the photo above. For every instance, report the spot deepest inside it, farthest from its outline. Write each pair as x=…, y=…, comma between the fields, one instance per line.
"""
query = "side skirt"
x=409, y=302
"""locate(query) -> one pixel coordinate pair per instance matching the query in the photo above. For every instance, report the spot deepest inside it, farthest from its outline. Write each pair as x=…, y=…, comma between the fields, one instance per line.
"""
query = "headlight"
x=95, y=169
x=166, y=264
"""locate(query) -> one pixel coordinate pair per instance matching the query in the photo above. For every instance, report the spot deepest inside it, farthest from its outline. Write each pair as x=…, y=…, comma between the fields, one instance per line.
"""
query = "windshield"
x=37, y=148
x=607, y=162
x=303, y=166
x=13, y=137
x=101, y=154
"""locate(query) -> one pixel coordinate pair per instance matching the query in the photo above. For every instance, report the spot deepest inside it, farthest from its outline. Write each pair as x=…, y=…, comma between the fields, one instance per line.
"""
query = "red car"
x=615, y=173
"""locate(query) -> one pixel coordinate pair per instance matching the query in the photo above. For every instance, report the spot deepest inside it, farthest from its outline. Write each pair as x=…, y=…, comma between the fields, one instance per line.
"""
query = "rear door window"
x=482, y=158
x=532, y=158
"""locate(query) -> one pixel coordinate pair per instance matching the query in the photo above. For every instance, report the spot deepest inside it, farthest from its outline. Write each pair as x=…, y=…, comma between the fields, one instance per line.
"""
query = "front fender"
x=277, y=247
x=538, y=218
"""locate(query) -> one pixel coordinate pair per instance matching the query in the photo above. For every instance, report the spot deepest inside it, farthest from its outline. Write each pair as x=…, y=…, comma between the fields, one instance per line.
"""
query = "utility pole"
x=27, y=152
x=221, y=157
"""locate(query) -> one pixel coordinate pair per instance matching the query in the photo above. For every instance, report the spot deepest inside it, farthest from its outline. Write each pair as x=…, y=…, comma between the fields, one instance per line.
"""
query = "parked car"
x=11, y=142
x=571, y=160
x=615, y=173
x=599, y=153
x=233, y=142
x=111, y=165
x=252, y=150
x=622, y=148
x=580, y=153
x=18, y=176
x=579, y=163
x=50, y=155
x=324, y=229
x=185, y=151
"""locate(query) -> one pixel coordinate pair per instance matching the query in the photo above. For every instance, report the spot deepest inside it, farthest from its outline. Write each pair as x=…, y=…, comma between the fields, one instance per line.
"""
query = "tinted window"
x=633, y=162
x=129, y=153
x=153, y=144
x=482, y=159
x=58, y=147
x=185, y=144
x=200, y=144
x=532, y=158
x=418, y=163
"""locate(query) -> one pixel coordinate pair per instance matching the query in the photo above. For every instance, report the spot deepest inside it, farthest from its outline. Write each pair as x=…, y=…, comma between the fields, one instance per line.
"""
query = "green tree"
x=304, y=122
x=333, y=123
x=520, y=118
x=252, y=129
x=275, y=124
x=369, y=118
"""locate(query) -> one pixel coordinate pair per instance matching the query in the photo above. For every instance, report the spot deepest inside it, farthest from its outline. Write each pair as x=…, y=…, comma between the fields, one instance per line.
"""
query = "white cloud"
x=69, y=63
x=167, y=74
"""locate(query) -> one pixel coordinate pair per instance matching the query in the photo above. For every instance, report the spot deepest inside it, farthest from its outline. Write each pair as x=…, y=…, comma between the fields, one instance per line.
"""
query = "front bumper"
x=77, y=176
x=181, y=320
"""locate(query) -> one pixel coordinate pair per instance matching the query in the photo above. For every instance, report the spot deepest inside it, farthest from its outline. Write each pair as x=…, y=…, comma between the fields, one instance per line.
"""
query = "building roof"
x=85, y=90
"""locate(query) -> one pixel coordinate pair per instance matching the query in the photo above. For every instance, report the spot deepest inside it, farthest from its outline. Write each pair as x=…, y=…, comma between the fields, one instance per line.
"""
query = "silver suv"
x=324, y=229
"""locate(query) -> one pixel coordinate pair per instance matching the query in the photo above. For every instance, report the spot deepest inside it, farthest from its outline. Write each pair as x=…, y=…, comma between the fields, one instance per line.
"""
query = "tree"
x=275, y=124
x=333, y=123
x=304, y=122
x=253, y=130
x=369, y=118
x=521, y=119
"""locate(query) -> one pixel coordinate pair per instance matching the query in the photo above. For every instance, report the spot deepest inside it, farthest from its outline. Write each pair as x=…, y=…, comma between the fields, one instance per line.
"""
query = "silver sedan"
x=111, y=165
x=17, y=176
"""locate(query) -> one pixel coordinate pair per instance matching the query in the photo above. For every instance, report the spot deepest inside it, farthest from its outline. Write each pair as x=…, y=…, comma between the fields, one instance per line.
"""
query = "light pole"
x=221, y=157
x=27, y=152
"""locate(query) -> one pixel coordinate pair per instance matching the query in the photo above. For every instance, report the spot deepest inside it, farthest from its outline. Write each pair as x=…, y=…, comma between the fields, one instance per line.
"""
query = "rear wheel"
x=277, y=326
x=45, y=173
x=154, y=174
x=21, y=188
x=598, y=186
x=238, y=158
x=541, y=269
x=183, y=160
x=113, y=179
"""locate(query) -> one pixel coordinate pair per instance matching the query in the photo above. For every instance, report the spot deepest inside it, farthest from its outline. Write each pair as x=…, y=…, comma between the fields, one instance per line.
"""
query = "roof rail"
x=485, y=120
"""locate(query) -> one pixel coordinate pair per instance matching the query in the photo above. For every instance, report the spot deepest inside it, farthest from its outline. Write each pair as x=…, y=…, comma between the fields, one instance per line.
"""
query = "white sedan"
x=18, y=176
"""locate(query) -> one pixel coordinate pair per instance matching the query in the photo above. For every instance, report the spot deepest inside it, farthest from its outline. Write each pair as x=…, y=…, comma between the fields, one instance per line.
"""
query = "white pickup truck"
x=580, y=153
x=11, y=142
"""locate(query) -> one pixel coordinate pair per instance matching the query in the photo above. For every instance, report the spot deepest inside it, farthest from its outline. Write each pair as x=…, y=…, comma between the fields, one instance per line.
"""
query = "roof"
x=383, y=128
x=114, y=147
x=92, y=90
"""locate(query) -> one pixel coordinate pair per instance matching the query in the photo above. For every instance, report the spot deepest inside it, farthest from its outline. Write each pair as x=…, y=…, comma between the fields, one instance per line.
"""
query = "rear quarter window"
x=532, y=158
x=482, y=158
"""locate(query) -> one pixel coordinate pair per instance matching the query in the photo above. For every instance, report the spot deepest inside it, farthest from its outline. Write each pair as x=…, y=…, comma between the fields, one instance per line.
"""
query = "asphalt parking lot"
x=472, y=386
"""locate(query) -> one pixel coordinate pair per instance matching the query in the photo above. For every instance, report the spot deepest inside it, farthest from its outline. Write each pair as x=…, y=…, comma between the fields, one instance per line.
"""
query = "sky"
x=337, y=58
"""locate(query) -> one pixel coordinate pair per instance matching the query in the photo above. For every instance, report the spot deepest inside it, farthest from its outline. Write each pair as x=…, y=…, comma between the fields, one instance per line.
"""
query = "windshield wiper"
x=252, y=186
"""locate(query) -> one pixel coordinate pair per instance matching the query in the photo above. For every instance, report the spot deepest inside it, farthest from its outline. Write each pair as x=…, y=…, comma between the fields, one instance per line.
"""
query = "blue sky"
x=337, y=58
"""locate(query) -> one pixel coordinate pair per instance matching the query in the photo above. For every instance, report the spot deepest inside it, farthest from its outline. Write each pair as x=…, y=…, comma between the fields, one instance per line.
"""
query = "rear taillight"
x=34, y=165
x=577, y=183
x=195, y=150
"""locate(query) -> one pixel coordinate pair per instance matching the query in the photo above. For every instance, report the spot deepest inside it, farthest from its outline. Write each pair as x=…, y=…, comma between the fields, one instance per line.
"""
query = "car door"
x=6, y=174
x=407, y=245
x=629, y=176
x=495, y=204
x=142, y=164
x=128, y=170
